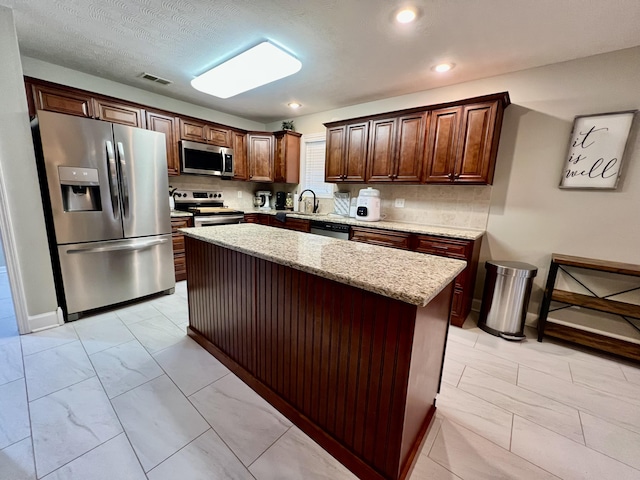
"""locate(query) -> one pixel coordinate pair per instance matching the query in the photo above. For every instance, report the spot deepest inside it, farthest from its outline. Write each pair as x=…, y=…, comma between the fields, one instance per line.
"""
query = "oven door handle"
x=217, y=220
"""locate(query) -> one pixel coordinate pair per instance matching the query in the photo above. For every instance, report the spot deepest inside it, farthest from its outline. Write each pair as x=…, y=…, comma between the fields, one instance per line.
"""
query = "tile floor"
x=126, y=395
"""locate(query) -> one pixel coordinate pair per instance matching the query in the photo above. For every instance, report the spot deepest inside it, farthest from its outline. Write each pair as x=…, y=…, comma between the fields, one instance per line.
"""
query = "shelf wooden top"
x=594, y=264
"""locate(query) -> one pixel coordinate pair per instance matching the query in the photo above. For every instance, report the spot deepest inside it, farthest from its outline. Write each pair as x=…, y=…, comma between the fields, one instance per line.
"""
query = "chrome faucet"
x=315, y=202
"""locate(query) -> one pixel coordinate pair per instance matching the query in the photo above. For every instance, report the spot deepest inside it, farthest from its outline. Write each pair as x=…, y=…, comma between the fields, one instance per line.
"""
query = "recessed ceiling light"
x=294, y=105
x=406, y=15
x=257, y=66
x=444, y=67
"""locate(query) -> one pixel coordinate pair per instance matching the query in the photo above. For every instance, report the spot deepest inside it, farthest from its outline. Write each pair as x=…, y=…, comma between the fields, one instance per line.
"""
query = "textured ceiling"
x=351, y=50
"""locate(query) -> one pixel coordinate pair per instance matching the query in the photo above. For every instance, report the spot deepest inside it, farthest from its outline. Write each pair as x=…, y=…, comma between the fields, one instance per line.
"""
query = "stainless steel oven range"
x=207, y=207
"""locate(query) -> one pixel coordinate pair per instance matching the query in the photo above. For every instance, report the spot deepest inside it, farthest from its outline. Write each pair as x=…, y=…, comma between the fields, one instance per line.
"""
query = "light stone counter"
x=452, y=232
x=411, y=277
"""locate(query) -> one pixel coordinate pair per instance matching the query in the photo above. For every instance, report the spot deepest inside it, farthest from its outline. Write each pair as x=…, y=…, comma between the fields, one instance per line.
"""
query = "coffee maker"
x=261, y=200
x=281, y=199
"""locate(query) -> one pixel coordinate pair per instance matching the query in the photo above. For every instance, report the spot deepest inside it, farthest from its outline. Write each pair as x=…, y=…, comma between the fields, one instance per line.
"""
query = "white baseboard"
x=46, y=320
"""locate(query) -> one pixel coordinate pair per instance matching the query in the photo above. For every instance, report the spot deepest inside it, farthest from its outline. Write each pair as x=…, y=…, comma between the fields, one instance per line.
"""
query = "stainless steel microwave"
x=203, y=159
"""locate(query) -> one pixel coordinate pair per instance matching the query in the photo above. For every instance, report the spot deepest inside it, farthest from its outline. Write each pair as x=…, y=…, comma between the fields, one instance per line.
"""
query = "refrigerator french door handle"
x=123, y=178
x=113, y=178
x=115, y=248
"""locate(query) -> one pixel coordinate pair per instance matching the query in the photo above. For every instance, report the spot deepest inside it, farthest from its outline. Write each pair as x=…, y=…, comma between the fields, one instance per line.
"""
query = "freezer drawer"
x=99, y=274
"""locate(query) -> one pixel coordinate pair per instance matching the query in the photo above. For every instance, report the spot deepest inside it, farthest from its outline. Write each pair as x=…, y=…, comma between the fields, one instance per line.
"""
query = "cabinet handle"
x=456, y=176
x=390, y=175
x=440, y=247
x=450, y=176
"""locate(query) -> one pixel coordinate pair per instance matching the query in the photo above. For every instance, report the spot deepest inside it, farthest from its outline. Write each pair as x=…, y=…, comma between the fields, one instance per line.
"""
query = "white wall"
x=529, y=217
x=65, y=76
x=22, y=216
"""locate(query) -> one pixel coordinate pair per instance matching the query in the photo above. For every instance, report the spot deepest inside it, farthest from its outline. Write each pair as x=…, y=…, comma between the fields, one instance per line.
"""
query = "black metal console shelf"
x=576, y=334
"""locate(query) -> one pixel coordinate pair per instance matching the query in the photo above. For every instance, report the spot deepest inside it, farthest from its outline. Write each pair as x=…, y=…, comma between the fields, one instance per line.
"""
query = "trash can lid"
x=512, y=269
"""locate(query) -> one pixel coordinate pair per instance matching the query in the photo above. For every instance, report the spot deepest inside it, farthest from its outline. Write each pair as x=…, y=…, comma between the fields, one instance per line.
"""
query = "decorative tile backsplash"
x=461, y=206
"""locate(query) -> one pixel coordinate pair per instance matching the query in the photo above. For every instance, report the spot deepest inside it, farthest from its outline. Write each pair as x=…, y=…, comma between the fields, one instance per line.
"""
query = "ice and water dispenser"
x=80, y=189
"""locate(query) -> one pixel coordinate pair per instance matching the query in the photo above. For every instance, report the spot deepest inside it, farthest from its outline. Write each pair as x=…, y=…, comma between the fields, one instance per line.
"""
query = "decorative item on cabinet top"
x=450, y=143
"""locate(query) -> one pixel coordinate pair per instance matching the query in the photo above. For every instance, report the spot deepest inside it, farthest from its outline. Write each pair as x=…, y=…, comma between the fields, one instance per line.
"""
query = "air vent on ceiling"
x=155, y=78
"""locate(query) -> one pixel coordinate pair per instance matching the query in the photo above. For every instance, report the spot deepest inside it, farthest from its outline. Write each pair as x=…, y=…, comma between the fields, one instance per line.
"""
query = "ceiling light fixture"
x=444, y=67
x=406, y=15
x=294, y=105
x=262, y=64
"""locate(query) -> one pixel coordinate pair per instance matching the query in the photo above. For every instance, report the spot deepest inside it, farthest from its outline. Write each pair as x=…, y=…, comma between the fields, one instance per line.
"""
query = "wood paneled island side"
x=345, y=339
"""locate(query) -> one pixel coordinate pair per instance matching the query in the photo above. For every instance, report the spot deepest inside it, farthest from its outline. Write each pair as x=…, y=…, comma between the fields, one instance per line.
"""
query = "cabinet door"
x=410, y=148
x=287, y=157
x=260, y=157
x=357, y=136
x=380, y=162
x=334, y=161
x=28, y=88
x=240, y=167
x=218, y=136
x=442, y=145
x=119, y=113
x=475, y=162
x=62, y=101
x=190, y=130
x=166, y=124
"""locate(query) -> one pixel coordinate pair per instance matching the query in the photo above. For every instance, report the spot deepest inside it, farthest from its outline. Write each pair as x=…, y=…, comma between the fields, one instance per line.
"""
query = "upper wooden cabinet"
x=455, y=142
x=396, y=149
x=192, y=130
x=347, y=153
x=287, y=156
x=62, y=100
x=240, y=166
x=159, y=122
x=442, y=144
x=463, y=143
x=334, y=157
x=118, y=113
x=218, y=136
x=260, y=156
x=198, y=131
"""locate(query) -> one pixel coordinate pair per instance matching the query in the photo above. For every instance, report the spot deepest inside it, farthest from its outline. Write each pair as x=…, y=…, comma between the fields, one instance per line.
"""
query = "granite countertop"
x=178, y=214
x=452, y=232
x=411, y=277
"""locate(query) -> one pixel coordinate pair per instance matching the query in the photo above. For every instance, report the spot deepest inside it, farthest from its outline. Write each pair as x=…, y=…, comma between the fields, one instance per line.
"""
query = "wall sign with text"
x=596, y=150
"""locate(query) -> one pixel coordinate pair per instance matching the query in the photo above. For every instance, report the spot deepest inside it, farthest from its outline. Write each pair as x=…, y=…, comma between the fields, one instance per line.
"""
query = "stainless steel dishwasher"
x=328, y=229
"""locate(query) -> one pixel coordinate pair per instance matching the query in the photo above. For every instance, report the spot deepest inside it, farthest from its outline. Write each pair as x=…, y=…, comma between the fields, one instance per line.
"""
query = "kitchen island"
x=345, y=339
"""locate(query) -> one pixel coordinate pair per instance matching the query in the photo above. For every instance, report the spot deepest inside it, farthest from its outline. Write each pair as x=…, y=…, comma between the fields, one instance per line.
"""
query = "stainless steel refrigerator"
x=105, y=192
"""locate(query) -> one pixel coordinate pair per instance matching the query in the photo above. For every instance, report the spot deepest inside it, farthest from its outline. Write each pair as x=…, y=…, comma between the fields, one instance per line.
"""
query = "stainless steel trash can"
x=507, y=289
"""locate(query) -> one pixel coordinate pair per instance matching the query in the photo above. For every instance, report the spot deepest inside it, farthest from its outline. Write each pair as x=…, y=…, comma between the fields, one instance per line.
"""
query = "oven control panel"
x=197, y=196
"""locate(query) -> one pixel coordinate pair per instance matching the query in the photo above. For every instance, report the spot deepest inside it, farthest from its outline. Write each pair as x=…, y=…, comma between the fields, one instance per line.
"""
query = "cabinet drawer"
x=178, y=244
x=297, y=224
x=442, y=247
x=179, y=223
x=376, y=237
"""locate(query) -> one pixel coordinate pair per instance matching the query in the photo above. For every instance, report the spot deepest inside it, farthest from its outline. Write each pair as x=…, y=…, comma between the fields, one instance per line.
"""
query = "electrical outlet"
x=239, y=193
x=399, y=203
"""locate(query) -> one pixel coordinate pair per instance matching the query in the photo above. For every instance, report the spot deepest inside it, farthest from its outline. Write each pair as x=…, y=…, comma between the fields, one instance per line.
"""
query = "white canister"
x=368, y=206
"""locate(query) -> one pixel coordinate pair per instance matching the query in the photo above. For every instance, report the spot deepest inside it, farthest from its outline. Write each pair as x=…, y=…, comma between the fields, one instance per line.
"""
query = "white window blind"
x=314, y=151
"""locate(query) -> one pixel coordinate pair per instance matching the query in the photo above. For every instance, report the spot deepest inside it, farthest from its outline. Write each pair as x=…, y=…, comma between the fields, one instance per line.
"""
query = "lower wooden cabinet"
x=297, y=224
x=179, y=260
x=383, y=238
x=467, y=250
